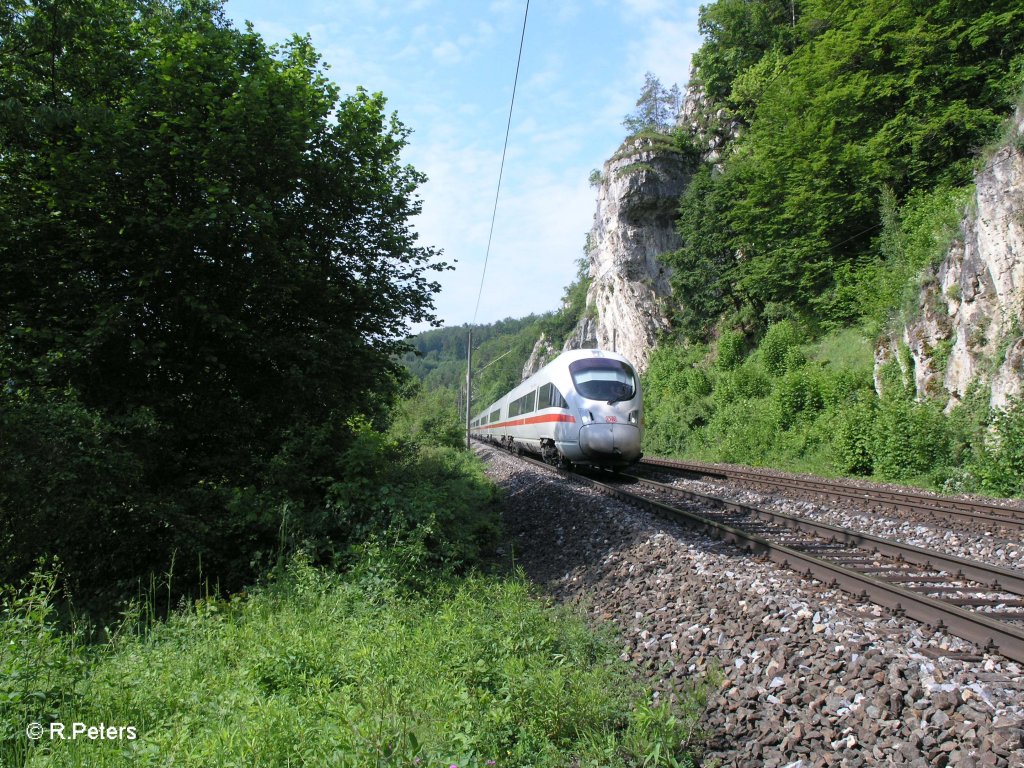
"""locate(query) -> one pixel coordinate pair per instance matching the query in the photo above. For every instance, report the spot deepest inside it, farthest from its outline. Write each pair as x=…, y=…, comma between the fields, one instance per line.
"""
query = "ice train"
x=584, y=407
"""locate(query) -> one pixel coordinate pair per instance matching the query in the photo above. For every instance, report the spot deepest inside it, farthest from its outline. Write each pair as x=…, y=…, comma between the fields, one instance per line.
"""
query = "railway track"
x=973, y=511
x=978, y=602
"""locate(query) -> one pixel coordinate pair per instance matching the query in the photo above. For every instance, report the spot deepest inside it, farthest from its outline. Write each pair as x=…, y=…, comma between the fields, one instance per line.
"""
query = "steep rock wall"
x=971, y=313
x=634, y=223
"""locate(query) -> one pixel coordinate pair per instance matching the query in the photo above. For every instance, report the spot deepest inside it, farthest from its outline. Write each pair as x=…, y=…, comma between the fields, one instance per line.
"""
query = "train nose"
x=614, y=442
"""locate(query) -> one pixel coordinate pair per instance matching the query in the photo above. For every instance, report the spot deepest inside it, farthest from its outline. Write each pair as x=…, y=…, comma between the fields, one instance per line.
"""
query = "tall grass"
x=321, y=669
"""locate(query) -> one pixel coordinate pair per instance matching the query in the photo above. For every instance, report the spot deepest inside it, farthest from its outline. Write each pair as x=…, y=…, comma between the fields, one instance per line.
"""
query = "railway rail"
x=973, y=511
x=978, y=602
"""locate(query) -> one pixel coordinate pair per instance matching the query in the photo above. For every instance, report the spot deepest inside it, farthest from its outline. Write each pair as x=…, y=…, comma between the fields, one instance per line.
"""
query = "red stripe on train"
x=532, y=420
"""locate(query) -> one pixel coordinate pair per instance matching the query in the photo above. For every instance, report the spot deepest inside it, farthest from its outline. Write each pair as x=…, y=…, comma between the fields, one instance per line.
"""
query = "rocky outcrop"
x=711, y=127
x=971, y=313
x=543, y=352
x=634, y=224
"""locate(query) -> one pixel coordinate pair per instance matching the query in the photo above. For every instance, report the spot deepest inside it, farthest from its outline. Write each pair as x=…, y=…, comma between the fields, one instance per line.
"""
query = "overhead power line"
x=501, y=170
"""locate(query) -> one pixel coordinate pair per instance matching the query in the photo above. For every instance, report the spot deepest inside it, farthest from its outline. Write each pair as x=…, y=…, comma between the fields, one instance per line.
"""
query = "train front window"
x=603, y=379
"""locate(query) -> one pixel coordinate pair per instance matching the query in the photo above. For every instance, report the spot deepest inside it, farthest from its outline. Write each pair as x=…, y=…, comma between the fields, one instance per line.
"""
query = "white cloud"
x=539, y=230
x=666, y=49
x=447, y=53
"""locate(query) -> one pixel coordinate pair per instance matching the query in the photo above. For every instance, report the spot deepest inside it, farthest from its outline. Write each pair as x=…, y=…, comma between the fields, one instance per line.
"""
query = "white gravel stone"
x=811, y=677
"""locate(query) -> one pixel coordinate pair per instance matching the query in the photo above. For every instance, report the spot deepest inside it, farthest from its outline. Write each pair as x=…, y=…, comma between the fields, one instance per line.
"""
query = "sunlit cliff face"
x=974, y=308
x=634, y=223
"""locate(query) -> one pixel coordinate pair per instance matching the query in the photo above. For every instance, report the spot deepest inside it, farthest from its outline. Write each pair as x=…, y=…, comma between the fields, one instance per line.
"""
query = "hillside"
x=500, y=350
x=834, y=162
x=845, y=147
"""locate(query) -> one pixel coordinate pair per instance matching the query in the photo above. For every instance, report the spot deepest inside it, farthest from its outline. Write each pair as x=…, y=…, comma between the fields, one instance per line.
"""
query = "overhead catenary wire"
x=501, y=169
x=490, y=234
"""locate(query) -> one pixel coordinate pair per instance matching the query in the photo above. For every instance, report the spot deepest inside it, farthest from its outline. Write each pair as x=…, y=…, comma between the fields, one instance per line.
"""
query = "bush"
x=437, y=495
x=743, y=432
x=729, y=350
x=779, y=340
x=910, y=439
x=71, y=488
x=797, y=394
x=853, y=441
x=999, y=465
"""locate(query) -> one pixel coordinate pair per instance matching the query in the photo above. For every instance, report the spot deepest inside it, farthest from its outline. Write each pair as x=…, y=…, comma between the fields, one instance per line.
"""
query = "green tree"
x=737, y=34
x=842, y=101
x=198, y=227
x=656, y=109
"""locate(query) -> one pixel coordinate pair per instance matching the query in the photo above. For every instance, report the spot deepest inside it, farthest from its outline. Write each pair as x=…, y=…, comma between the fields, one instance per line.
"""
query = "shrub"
x=778, y=341
x=750, y=381
x=853, y=440
x=744, y=431
x=70, y=488
x=797, y=393
x=910, y=439
x=729, y=350
x=999, y=465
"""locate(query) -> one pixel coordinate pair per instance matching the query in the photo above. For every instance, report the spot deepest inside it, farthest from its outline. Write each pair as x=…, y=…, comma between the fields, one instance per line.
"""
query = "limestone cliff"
x=637, y=198
x=638, y=193
x=971, y=311
x=543, y=352
x=711, y=127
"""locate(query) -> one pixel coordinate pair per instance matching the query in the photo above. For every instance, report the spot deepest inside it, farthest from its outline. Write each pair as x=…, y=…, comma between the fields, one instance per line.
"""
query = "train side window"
x=557, y=401
x=495, y=415
x=530, y=402
x=544, y=396
x=551, y=397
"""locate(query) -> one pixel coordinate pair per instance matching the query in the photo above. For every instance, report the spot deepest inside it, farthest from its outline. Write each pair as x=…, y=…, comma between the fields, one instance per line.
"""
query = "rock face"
x=542, y=354
x=633, y=225
x=971, y=314
x=711, y=128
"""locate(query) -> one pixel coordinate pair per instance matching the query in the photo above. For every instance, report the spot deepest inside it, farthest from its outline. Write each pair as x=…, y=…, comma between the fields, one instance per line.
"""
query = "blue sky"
x=447, y=67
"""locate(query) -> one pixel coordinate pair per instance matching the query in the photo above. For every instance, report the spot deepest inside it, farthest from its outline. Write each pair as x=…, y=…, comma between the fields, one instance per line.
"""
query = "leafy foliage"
x=738, y=34
x=999, y=464
x=656, y=108
x=778, y=342
x=205, y=251
x=843, y=104
x=350, y=671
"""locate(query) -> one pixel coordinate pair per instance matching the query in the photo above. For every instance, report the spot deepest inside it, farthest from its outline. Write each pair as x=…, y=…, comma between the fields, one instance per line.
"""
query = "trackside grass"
x=322, y=669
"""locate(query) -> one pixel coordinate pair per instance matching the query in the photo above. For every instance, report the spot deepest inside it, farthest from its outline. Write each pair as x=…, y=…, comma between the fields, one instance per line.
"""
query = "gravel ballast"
x=810, y=676
x=1001, y=547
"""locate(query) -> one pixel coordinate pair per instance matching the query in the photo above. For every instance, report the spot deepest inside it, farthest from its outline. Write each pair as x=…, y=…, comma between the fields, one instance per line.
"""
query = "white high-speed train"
x=584, y=407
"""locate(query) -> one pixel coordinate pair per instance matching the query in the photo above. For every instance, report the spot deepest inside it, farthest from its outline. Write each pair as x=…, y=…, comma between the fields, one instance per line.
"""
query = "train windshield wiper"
x=617, y=398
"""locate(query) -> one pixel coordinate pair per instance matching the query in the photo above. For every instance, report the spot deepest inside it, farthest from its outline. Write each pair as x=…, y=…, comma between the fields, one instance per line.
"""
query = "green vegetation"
x=321, y=669
x=500, y=350
x=656, y=108
x=810, y=406
x=206, y=273
x=814, y=234
x=390, y=658
x=858, y=119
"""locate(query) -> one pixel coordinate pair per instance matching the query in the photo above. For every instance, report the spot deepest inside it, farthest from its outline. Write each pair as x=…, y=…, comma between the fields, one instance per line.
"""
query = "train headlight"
x=634, y=417
x=587, y=417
